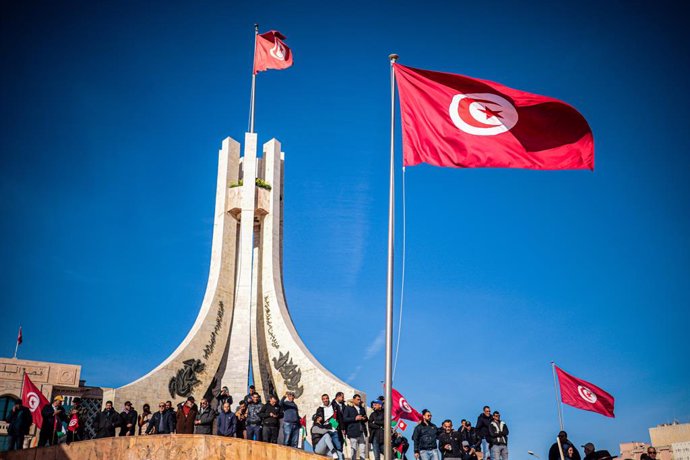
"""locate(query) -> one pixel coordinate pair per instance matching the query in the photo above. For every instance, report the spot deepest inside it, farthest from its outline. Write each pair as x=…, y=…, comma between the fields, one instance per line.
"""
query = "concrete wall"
x=163, y=447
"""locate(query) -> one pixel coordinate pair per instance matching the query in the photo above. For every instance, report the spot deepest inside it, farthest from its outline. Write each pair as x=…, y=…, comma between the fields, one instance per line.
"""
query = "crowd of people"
x=336, y=425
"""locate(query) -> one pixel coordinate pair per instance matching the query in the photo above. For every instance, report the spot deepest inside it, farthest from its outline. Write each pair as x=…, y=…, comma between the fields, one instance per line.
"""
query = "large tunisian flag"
x=584, y=395
x=400, y=408
x=34, y=400
x=458, y=121
x=271, y=52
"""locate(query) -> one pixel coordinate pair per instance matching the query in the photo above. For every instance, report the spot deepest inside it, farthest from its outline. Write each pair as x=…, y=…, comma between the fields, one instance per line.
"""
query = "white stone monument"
x=244, y=316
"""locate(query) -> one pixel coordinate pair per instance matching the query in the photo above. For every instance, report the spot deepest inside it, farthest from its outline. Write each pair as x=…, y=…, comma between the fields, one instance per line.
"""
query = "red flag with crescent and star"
x=401, y=409
x=457, y=121
x=584, y=395
x=271, y=52
x=34, y=400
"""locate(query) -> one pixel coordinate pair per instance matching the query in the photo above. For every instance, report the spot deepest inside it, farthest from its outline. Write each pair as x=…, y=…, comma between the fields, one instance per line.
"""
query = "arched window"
x=7, y=402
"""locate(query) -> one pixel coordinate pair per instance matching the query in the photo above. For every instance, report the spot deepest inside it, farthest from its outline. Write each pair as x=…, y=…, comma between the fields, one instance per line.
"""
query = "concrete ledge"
x=163, y=447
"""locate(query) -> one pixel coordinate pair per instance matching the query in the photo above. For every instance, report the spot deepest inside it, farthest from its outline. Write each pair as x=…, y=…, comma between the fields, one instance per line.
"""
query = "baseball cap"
x=589, y=445
x=58, y=398
x=465, y=443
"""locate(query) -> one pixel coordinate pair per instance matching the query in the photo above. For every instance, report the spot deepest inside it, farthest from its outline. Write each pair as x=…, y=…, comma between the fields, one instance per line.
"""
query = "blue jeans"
x=377, y=448
x=254, y=432
x=336, y=441
x=485, y=449
x=290, y=434
x=431, y=454
x=499, y=452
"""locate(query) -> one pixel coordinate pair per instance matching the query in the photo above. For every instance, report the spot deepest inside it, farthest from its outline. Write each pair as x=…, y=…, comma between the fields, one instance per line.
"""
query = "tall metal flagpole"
x=555, y=389
x=251, y=107
x=387, y=445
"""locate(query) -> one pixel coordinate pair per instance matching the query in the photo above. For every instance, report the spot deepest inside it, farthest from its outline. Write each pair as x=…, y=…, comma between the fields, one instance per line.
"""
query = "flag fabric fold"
x=20, y=338
x=271, y=52
x=401, y=409
x=584, y=395
x=457, y=121
x=34, y=400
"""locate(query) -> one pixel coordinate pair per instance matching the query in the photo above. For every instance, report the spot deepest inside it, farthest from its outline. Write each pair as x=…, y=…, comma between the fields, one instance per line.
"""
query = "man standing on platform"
x=376, y=426
x=339, y=409
x=425, y=437
x=162, y=422
x=227, y=421
x=53, y=417
x=19, y=421
x=129, y=419
x=355, y=418
x=106, y=421
x=482, y=427
x=290, y=419
x=270, y=420
x=449, y=441
x=77, y=421
x=253, y=418
x=186, y=414
x=203, y=424
x=498, y=435
x=555, y=454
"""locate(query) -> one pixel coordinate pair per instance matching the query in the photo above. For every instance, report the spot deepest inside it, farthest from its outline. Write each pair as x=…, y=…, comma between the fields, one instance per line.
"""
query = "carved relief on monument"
x=66, y=377
x=289, y=371
x=184, y=382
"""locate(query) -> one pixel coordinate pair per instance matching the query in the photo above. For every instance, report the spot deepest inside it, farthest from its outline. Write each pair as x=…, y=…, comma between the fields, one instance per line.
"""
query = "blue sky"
x=111, y=117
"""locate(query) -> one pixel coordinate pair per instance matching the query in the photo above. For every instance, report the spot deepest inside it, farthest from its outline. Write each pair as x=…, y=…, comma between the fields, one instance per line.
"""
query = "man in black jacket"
x=270, y=415
x=163, y=421
x=106, y=421
x=222, y=398
x=355, y=419
x=449, y=441
x=128, y=420
x=338, y=405
x=554, y=453
x=376, y=426
x=498, y=438
x=592, y=454
x=482, y=427
x=19, y=420
x=53, y=416
x=290, y=419
x=425, y=437
x=203, y=421
x=469, y=434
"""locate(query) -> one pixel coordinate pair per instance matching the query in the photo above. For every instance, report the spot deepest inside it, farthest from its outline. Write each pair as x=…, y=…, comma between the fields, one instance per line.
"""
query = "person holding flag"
x=53, y=418
x=77, y=421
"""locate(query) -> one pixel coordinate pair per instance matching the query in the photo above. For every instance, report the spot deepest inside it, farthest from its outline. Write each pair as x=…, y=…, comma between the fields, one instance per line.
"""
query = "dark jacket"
x=185, y=425
x=227, y=424
x=48, y=414
x=466, y=455
x=354, y=428
x=498, y=433
x=267, y=411
x=20, y=420
x=126, y=418
x=105, y=423
x=82, y=415
x=318, y=430
x=453, y=440
x=470, y=435
x=376, y=426
x=482, y=426
x=253, y=411
x=425, y=436
x=205, y=418
x=167, y=425
x=598, y=455
x=290, y=411
x=222, y=399
x=554, y=454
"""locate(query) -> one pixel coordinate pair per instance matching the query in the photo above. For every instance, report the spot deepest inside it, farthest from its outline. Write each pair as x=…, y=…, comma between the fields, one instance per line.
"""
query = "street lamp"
x=532, y=454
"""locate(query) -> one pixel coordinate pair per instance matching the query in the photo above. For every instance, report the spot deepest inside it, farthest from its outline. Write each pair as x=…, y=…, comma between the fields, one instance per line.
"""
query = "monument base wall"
x=163, y=447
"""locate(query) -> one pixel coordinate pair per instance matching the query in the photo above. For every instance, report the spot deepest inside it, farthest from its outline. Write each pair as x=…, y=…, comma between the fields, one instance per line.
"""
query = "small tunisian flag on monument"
x=271, y=52
x=458, y=121
x=584, y=395
x=34, y=400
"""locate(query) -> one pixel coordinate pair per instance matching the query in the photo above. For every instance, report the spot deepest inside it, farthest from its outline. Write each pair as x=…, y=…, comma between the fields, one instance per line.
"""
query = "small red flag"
x=402, y=409
x=19, y=336
x=303, y=421
x=457, y=121
x=34, y=400
x=73, y=423
x=584, y=395
x=402, y=425
x=271, y=52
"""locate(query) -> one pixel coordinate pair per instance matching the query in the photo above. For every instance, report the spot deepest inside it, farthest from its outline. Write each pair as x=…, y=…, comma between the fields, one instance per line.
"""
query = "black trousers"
x=270, y=434
x=16, y=442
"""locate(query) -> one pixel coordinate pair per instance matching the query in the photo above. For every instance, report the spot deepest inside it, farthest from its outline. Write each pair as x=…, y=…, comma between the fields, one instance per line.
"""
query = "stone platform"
x=163, y=447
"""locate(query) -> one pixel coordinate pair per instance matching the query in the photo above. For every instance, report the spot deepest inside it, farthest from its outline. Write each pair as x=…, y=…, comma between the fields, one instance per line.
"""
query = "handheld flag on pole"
x=584, y=395
x=34, y=400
